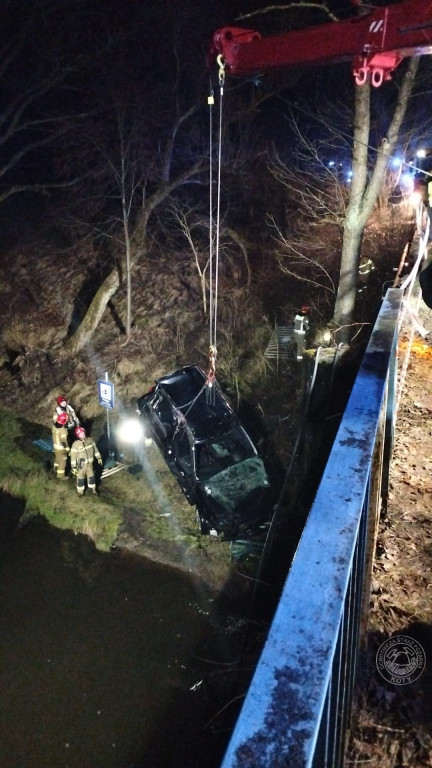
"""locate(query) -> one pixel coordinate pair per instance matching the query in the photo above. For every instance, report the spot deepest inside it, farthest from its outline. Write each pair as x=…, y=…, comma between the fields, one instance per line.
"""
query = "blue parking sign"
x=106, y=393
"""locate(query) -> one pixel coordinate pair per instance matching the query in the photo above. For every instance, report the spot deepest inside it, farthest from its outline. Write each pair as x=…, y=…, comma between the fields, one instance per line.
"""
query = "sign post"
x=106, y=400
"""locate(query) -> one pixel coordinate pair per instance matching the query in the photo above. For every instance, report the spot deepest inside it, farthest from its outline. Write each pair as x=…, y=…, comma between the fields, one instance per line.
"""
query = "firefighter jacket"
x=301, y=323
x=73, y=420
x=60, y=439
x=84, y=452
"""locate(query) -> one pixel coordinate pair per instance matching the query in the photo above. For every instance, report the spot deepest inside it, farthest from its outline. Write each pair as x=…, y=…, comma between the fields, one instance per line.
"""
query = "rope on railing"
x=407, y=287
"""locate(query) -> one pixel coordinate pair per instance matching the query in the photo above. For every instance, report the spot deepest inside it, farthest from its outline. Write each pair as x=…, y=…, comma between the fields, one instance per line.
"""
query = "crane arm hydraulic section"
x=375, y=41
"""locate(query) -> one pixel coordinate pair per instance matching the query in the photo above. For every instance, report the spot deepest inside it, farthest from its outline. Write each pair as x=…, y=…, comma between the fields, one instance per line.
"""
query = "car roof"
x=186, y=390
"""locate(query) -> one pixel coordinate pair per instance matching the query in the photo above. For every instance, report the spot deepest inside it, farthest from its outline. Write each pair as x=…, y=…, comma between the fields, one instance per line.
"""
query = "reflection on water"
x=107, y=661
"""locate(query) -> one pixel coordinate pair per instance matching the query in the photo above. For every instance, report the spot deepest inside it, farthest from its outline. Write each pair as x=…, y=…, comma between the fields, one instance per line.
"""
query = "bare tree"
x=188, y=223
x=136, y=234
x=308, y=233
x=295, y=260
x=196, y=231
x=152, y=181
x=327, y=202
x=365, y=190
x=29, y=119
x=123, y=164
x=140, y=154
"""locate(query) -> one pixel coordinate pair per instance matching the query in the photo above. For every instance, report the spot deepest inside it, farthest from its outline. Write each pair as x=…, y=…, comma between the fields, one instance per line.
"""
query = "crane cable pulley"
x=214, y=253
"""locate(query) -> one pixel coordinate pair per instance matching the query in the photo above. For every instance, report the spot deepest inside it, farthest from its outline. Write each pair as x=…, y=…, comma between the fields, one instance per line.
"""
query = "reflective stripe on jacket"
x=84, y=452
x=301, y=323
x=60, y=439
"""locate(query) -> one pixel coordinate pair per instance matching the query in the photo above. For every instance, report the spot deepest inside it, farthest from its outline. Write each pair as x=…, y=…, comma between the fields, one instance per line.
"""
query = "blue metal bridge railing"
x=297, y=709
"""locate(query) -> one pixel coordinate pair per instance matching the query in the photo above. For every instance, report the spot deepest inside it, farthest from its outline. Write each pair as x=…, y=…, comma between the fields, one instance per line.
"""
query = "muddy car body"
x=208, y=450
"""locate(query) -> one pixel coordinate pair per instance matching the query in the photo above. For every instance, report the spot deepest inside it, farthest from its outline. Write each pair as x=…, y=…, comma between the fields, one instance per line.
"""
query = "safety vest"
x=301, y=323
x=73, y=419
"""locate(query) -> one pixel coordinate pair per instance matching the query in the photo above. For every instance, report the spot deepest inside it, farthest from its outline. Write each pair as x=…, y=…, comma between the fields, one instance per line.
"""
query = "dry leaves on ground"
x=392, y=724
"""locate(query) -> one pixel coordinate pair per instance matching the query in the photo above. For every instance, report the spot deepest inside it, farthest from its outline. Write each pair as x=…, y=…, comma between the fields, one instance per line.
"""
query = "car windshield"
x=213, y=456
x=236, y=485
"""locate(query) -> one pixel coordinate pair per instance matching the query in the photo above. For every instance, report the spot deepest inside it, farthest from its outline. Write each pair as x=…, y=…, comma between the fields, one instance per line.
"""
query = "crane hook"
x=221, y=64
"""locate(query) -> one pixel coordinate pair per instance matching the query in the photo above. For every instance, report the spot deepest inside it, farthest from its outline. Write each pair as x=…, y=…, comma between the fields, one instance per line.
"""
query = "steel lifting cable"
x=221, y=90
x=210, y=102
x=214, y=252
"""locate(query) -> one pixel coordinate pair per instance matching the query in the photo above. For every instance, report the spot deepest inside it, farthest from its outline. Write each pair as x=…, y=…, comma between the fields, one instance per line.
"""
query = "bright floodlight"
x=130, y=431
x=421, y=153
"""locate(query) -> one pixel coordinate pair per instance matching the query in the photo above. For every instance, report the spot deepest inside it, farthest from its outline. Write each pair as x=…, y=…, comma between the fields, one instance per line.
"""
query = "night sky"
x=81, y=77
x=69, y=68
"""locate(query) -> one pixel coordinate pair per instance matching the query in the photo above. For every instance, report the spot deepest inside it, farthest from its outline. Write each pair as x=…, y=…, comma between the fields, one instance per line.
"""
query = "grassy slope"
x=26, y=472
x=142, y=510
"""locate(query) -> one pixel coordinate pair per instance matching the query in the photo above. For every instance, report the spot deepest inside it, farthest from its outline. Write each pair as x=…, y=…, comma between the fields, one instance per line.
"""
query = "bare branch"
x=292, y=6
x=187, y=226
x=295, y=255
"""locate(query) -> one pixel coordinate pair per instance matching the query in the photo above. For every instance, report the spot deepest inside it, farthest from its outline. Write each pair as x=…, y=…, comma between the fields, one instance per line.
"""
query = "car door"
x=162, y=421
x=183, y=453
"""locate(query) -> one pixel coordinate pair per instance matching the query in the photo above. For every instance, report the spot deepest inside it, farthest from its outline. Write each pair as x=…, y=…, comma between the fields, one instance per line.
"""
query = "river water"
x=108, y=660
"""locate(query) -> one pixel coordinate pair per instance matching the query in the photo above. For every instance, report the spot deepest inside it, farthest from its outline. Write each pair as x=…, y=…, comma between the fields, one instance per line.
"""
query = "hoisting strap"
x=210, y=102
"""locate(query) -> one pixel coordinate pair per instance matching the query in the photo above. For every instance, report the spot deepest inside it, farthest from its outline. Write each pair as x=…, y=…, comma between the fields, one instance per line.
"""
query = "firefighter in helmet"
x=64, y=407
x=366, y=266
x=83, y=453
x=301, y=325
x=60, y=445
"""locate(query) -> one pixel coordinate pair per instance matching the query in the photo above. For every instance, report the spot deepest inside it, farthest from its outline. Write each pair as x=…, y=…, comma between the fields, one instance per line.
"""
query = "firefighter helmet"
x=61, y=399
x=80, y=433
x=62, y=418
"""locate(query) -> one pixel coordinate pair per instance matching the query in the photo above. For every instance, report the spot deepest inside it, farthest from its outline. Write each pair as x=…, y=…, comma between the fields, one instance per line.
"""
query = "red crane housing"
x=376, y=41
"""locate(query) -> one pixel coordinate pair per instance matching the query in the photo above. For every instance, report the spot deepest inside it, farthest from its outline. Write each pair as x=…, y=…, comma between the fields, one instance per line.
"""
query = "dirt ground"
x=392, y=723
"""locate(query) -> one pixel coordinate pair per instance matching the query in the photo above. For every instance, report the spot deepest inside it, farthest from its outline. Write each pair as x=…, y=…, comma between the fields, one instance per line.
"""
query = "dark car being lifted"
x=208, y=451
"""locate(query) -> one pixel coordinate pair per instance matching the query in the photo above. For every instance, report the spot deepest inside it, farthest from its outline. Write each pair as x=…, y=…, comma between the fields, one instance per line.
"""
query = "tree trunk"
x=354, y=221
x=364, y=193
x=347, y=288
x=128, y=272
x=94, y=314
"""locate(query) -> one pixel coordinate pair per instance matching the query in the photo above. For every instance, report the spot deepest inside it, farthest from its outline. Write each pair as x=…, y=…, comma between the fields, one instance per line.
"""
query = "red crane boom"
x=376, y=41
